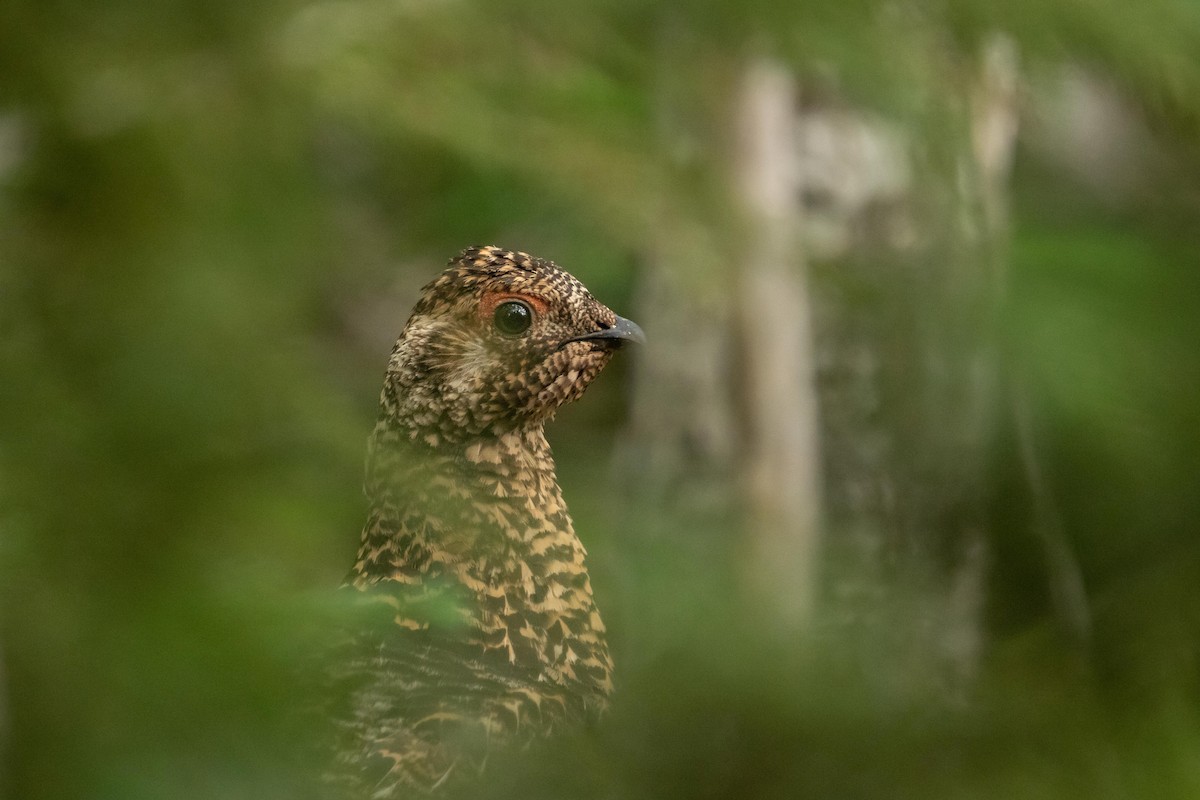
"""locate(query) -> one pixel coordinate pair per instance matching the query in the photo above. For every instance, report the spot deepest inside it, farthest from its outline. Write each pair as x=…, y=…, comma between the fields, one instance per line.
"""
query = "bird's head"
x=498, y=341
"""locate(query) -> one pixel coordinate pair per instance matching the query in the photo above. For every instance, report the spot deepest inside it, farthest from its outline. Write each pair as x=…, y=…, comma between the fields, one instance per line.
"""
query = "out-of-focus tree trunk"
x=781, y=451
x=724, y=421
x=844, y=374
x=911, y=370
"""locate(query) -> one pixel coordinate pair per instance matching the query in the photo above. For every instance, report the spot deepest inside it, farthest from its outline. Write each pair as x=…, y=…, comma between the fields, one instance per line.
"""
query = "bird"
x=474, y=626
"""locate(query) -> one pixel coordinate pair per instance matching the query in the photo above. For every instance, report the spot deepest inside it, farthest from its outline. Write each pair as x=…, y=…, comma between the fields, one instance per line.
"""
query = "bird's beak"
x=623, y=331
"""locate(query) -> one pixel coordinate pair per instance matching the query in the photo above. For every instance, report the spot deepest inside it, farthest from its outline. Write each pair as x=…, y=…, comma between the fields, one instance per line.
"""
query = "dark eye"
x=512, y=317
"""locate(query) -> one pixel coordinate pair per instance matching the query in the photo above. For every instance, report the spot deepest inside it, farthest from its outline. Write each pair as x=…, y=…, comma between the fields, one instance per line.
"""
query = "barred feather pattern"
x=478, y=628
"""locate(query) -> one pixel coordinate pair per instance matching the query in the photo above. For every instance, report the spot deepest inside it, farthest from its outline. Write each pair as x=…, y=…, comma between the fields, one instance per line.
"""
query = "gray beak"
x=623, y=331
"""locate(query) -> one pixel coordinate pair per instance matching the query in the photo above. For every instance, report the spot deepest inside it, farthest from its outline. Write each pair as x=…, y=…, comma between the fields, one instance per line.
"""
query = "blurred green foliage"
x=200, y=207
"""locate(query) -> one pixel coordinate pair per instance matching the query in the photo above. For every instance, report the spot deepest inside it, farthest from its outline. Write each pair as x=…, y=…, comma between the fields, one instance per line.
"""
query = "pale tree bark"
x=781, y=456
x=724, y=415
x=911, y=375
x=838, y=373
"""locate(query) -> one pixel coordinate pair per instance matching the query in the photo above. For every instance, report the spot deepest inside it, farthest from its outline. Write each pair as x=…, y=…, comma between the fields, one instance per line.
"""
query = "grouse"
x=475, y=625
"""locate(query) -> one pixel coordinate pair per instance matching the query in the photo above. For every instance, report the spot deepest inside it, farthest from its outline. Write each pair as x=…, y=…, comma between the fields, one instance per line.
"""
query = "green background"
x=213, y=219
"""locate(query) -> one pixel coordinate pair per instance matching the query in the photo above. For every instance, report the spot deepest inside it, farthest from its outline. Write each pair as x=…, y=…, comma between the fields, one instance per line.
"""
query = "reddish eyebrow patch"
x=488, y=303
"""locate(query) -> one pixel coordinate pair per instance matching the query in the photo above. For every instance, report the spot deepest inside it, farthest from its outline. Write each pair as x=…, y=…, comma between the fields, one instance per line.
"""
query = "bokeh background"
x=899, y=501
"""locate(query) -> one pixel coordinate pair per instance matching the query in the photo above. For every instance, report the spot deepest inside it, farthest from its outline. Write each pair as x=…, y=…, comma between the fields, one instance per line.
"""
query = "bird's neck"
x=483, y=520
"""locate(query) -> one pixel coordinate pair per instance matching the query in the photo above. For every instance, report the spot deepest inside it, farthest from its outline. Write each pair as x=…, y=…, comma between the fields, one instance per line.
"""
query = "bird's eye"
x=512, y=318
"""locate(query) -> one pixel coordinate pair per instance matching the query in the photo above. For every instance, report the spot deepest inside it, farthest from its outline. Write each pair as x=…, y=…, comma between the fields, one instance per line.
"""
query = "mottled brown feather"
x=479, y=629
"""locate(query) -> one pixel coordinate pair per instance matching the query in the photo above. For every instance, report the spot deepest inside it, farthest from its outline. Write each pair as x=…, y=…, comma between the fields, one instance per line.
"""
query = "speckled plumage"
x=479, y=627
